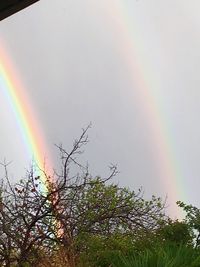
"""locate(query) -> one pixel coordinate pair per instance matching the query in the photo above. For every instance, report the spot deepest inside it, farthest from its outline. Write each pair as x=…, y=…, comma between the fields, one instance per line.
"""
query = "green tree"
x=178, y=232
x=192, y=219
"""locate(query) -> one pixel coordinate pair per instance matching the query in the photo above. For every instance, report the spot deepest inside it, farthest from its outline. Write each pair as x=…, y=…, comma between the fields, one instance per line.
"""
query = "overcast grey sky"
x=76, y=60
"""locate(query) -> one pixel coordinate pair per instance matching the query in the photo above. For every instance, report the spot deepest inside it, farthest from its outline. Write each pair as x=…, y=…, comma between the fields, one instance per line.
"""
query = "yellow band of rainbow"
x=28, y=125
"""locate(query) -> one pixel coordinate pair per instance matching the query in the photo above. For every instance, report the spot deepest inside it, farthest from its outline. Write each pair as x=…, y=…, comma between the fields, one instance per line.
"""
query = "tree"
x=105, y=210
x=177, y=232
x=26, y=219
x=73, y=209
x=192, y=219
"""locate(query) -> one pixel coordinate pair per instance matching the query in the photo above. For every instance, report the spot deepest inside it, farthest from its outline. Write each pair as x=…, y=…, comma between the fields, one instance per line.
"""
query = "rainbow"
x=144, y=81
x=146, y=86
x=150, y=101
x=19, y=103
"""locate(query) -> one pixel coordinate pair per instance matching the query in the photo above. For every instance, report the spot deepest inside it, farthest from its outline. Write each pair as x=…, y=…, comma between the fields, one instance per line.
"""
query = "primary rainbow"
x=18, y=101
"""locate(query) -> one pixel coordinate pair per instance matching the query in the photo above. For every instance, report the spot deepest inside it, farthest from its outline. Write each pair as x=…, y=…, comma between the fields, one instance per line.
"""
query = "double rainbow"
x=147, y=91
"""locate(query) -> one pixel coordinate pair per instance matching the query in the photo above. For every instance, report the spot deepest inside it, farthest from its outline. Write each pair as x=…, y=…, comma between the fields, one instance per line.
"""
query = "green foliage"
x=192, y=219
x=108, y=209
x=100, y=250
x=192, y=215
x=161, y=256
x=176, y=232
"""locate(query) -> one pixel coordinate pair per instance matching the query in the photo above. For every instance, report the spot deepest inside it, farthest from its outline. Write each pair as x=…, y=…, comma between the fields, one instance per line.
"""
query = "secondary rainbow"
x=146, y=83
x=16, y=96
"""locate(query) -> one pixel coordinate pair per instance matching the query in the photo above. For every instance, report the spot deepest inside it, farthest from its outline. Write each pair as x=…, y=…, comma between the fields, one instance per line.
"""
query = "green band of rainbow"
x=18, y=101
x=147, y=89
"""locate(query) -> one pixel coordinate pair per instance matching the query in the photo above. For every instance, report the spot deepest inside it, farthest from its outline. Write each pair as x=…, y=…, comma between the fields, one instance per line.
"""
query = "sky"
x=131, y=68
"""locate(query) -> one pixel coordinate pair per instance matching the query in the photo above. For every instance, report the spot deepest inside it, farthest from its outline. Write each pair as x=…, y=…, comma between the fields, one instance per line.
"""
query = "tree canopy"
x=82, y=217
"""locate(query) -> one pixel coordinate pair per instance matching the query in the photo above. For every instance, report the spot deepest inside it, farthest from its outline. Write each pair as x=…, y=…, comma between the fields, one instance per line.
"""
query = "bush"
x=167, y=256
